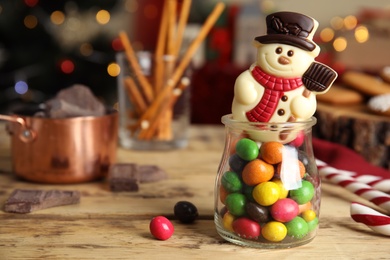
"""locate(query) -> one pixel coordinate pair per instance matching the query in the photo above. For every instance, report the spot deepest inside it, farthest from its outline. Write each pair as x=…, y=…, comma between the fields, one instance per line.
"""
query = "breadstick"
x=184, y=62
x=133, y=62
x=171, y=26
x=134, y=95
x=159, y=52
x=184, y=13
x=152, y=125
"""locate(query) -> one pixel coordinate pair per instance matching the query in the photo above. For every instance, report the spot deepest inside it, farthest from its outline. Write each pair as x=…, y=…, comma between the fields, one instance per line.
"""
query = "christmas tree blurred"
x=48, y=45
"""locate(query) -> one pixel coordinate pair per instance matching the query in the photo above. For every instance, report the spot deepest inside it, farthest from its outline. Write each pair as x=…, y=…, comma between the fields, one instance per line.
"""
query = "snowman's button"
x=284, y=98
x=281, y=112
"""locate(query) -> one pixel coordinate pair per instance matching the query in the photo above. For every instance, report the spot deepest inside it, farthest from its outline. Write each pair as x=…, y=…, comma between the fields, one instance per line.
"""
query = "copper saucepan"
x=62, y=151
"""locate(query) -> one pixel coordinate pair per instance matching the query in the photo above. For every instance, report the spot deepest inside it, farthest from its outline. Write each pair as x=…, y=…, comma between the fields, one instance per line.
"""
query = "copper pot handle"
x=26, y=134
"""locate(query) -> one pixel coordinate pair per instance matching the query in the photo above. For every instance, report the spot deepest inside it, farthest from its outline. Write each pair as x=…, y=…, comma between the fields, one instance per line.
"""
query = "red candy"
x=161, y=228
x=298, y=141
x=246, y=228
x=284, y=210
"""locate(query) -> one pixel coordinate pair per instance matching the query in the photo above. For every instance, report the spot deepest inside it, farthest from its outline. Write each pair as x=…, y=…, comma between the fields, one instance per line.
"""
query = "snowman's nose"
x=283, y=60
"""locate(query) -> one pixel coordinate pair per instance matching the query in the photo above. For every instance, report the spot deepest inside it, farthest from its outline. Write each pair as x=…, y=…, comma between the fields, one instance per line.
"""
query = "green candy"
x=312, y=224
x=231, y=181
x=297, y=228
x=235, y=203
x=304, y=194
x=247, y=191
x=247, y=149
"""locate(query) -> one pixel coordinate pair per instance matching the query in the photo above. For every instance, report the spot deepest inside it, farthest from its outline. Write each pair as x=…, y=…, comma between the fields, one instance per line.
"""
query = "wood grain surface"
x=107, y=225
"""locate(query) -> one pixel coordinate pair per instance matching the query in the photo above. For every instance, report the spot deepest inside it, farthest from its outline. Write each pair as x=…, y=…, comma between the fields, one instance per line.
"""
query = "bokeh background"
x=48, y=45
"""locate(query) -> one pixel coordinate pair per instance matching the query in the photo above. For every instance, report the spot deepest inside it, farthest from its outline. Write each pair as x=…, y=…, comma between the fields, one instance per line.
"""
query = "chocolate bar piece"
x=124, y=177
x=26, y=201
x=127, y=176
x=77, y=100
x=318, y=77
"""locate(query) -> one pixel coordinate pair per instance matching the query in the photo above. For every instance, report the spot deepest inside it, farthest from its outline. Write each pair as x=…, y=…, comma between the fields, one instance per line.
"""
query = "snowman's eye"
x=279, y=50
x=290, y=53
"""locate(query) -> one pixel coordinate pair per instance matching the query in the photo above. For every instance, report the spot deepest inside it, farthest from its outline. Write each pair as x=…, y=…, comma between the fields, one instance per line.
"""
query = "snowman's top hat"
x=290, y=28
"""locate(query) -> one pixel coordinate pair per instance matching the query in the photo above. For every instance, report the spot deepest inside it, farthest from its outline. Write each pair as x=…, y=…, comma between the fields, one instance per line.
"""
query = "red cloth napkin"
x=343, y=158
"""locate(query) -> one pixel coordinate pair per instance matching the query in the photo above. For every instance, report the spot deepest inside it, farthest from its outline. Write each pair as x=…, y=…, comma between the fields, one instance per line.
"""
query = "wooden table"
x=107, y=225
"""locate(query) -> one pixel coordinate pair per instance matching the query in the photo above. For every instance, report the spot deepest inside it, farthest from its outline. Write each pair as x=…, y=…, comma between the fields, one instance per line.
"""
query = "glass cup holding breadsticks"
x=155, y=114
x=167, y=127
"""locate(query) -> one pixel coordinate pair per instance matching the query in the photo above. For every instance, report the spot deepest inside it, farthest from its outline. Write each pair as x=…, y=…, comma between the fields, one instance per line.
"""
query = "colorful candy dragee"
x=378, y=222
x=254, y=202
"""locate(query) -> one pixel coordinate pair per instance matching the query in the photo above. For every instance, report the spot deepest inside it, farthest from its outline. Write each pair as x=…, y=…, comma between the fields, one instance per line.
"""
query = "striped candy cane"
x=363, y=190
x=371, y=218
x=376, y=182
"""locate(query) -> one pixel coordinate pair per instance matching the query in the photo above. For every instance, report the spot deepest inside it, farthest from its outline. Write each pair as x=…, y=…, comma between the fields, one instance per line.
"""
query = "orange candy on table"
x=271, y=152
x=257, y=171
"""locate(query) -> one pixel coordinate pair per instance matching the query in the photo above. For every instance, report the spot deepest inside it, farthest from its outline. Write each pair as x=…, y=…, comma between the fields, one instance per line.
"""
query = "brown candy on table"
x=318, y=77
x=26, y=201
x=77, y=100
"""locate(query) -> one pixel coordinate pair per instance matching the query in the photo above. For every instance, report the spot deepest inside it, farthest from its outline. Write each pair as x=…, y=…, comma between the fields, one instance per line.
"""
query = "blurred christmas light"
x=67, y=66
x=337, y=23
x=117, y=44
x=57, y=17
x=267, y=6
x=327, y=34
x=361, y=34
x=340, y=44
x=21, y=87
x=31, y=3
x=86, y=49
x=30, y=21
x=103, y=17
x=350, y=22
x=113, y=69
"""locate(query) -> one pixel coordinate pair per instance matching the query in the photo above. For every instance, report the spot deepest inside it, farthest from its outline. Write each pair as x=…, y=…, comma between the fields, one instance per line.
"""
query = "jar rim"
x=228, y=120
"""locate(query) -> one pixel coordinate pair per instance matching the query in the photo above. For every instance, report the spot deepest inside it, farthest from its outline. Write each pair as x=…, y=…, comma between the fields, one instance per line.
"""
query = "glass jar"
x=168, y=128
x=267, y=191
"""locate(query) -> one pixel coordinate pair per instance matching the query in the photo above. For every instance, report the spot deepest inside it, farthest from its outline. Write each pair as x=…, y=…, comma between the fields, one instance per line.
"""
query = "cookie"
x=380, y=104
x=385, y=74
x=339, y=95
x=366, y=84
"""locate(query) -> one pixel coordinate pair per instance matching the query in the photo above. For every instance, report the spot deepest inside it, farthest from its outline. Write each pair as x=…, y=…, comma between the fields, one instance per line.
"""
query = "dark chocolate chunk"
x=127, y=176
x=26, y=201
x=77, y=100
x=124, y=177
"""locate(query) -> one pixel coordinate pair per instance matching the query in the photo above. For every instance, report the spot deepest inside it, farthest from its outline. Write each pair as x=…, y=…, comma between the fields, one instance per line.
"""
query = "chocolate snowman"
x=281, y=86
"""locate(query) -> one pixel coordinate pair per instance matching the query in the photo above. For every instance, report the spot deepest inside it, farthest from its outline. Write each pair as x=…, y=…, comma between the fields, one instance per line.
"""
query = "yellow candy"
x=274, y=231
x=309, y=215
x=227, y=221
x=266, y=193
x=283, y=191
